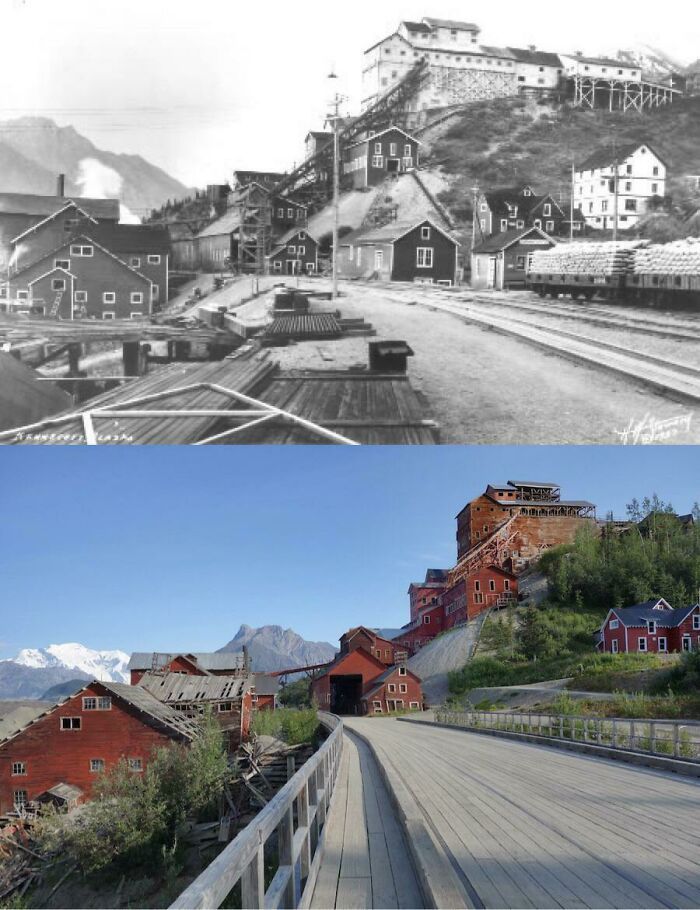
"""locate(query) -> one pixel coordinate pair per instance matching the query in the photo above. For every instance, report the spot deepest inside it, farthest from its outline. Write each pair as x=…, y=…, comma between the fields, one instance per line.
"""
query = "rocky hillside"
x=275, y=648
x=514, y=141
x=33, y=150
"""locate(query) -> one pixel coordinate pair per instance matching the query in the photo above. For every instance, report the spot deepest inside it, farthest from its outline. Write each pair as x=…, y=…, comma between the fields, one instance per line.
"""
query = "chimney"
x=532, y=47
x=61, y=186
x=579, y=53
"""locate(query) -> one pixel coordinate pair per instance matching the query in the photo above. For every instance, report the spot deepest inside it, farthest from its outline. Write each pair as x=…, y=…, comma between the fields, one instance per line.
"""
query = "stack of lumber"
x=20, y=866
x=682, y=257
x=600, y=258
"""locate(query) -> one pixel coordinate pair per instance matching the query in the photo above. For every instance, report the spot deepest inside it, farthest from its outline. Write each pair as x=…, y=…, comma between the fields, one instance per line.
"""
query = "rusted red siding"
x=52, y=755
x=355, y=663
x=397, y=692
x=628, y=638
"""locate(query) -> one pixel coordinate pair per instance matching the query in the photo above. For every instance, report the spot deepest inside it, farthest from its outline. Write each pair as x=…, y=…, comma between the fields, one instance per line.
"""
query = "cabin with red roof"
x=653, y=627
x=385, y=650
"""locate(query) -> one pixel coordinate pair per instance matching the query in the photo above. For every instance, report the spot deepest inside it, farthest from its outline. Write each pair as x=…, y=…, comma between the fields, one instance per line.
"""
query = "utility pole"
x=615, y=188
x=475, y=192
x=571, y=213
x=336, y=187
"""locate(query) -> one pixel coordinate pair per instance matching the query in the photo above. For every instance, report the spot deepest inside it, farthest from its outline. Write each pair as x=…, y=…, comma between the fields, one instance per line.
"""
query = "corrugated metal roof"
x=538, y=58
x=499, y=242
x=227, y=224
x=64, y=791
x=179, y=687
x=452, y=23
x=639, y=614
x=131, y=238
x=266, y=685
x=32, y=204
x=207, y=660
x=390, y=233
x=141, y=699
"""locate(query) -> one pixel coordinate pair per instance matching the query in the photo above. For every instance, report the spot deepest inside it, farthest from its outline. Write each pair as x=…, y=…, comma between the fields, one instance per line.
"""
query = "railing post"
x=291, y=767
x=676, y=740
x=285, y=841
x=253, y=880
x=321, y=785
x=632, y=735
x=313, y=802
x=652, y=736
x=614, y=733
x=303, y=815
x=598, y=731
x=561, y=726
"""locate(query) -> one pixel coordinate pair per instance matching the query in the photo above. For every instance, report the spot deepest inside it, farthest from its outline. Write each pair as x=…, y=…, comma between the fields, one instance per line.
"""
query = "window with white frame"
x=280, y=213
x=301, y=235
x=426, y=620
x=547, y=209
x=614, y=623
x=392, y=687
x=615, y=646
x=153, y=259
x=97, y=764
x=109, y=297
x=549, y=227
x=425, y=233
x=403, y=688
x=135, y=764
x=108, y=315
x=290, y=213
x=492, y=584
x=136, y=314
x=477, y=585
x=504, y=224
x=70, y=723
x=377, y=707
x=58, y=284
x=424, y=257
x=135, y=262
x=292, y=249
x=402, y=671
x=642, y=644
x=136, y=297
x=62, y=264
x=19, y=768
x=20, y=799
x=81, y=296
x=377, y=148
x=696, y=622
x=663, y=644
x=413, y=704
x=78, y=249
x=651, y=626
x=301, y=251
x=155, y=291
x=378, y=161
x=277, y=266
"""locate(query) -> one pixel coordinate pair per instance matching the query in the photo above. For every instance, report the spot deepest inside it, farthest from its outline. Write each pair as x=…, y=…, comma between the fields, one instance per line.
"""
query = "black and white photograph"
x=236, y=225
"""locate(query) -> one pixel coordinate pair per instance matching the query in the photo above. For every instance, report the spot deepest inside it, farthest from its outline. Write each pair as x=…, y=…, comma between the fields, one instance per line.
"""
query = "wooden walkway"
x=367, y=862
x=531, y=826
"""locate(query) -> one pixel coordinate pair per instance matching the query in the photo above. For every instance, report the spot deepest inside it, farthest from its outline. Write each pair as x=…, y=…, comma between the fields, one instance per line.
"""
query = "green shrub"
x=293, y=725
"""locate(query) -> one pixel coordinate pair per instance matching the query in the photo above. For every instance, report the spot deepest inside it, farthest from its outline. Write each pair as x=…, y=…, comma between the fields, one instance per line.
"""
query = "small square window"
x=81, y=296
x=136, y=297
x=109, y=297
x=71, y=723
x=97, y=764
x=89, y=704
x=153, y=260
x=402, y=671
x=20, y=799
x=135, y=262
x=135, y=764
x=224, y=707
x=19, y=767
x=62, y=264
x=58, y=284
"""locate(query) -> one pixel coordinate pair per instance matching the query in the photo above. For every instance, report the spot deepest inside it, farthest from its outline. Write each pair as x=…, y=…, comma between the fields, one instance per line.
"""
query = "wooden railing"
x=673, y=738
x=300, y=838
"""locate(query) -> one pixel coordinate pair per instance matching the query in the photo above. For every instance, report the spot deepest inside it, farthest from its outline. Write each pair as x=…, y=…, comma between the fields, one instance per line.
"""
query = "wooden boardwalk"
x=531, y=826
x=367, y=862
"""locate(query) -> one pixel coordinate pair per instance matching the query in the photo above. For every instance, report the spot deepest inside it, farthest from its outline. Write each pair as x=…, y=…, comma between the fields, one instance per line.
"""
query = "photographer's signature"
x=650, y=430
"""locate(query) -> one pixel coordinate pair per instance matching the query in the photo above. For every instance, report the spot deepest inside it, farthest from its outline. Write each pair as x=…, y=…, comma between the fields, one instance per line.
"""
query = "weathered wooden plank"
x=354, y=894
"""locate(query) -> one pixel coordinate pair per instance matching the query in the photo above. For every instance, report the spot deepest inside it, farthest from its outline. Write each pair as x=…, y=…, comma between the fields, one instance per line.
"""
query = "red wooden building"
x=348, y=682
x=72, y=742
x=295, y=253
x=653, y=626
x=397, y=689
x=265, y=692
x=487, y=587
x=230, y=698
x=384, y=649
x=426, y=593
x=200, y=663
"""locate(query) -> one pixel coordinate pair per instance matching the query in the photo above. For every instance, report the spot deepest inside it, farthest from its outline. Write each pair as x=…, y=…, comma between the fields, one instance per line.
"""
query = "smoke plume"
x=98, y=181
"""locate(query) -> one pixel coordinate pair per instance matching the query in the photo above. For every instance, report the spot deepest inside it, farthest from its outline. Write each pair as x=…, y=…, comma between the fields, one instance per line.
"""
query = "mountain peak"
x=274, y=648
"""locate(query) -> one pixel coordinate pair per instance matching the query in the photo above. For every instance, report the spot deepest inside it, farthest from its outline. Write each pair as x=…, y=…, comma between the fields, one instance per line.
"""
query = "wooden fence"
x=297, y=816
x=652, y=737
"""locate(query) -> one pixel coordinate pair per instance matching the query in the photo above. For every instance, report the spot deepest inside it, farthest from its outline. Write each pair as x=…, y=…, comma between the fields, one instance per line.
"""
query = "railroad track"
x=678, y=381
x=672, y=329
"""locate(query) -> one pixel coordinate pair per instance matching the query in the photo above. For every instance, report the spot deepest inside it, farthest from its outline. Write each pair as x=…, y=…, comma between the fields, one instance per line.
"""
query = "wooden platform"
x=367, y=862
x=529, y=826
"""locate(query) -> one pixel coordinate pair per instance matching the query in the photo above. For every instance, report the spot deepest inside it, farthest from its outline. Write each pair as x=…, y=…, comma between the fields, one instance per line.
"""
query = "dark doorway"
x=393, y=165
x=346, y=694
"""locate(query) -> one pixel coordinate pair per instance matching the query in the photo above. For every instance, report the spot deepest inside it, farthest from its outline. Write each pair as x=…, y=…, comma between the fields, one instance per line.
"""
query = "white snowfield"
x=107, y=665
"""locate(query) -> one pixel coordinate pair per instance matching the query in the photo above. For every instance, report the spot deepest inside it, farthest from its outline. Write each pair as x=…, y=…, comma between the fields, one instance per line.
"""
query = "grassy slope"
x=508, y=141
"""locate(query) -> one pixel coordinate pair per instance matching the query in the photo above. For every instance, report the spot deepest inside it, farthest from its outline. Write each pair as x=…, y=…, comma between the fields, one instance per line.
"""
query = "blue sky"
x=168, y=549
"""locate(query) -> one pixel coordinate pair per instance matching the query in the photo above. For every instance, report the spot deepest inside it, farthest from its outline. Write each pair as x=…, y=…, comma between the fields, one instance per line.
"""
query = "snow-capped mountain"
x=108, y=665
x=34, y=670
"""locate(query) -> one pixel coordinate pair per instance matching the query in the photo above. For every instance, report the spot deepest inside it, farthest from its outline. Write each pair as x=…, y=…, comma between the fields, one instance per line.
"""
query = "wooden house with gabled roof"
x=501, y=261
x=387, y=153
x=423, y=253
x=73, y=742
x=79, y=278
x=651, y=627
